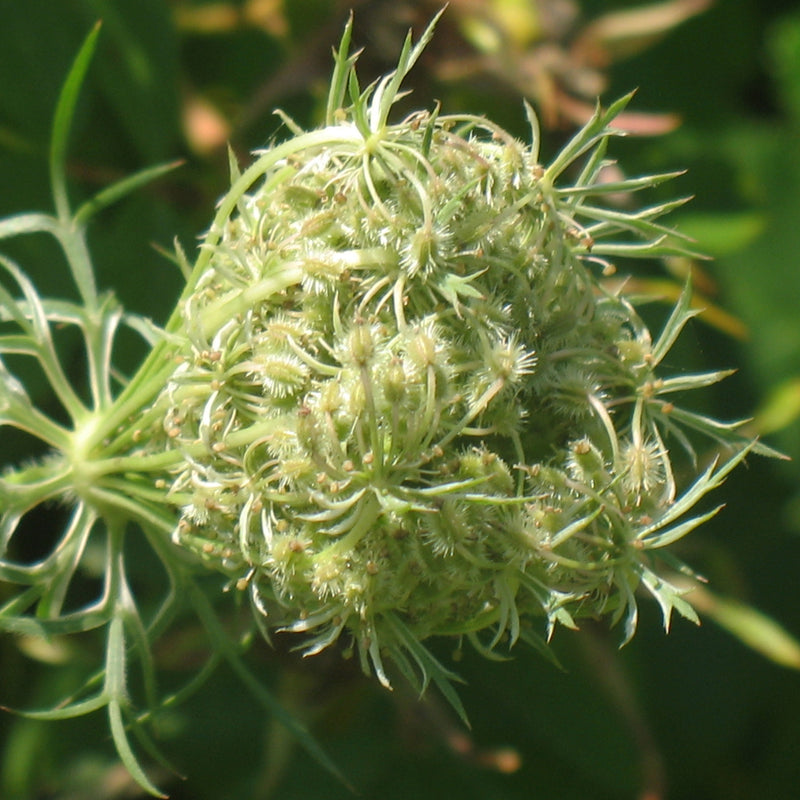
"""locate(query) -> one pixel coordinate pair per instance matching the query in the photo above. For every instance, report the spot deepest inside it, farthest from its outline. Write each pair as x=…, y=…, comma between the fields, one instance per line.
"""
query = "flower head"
x=424, y=389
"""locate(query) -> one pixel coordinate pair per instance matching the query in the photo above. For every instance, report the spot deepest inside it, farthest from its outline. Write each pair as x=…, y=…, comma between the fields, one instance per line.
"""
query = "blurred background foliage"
x=693, y=716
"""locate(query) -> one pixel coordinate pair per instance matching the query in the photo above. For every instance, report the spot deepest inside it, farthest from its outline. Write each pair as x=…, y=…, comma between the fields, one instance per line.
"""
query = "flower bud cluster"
x=408, y=407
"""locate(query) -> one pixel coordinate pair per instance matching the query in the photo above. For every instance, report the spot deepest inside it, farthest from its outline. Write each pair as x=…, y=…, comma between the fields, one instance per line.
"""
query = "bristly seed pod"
x=425, y=387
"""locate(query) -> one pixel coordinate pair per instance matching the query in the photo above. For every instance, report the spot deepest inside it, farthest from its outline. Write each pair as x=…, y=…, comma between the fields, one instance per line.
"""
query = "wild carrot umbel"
x=395, y=401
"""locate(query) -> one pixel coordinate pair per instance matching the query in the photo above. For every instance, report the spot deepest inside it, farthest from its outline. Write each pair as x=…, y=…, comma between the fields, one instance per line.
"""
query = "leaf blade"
x=62, y=122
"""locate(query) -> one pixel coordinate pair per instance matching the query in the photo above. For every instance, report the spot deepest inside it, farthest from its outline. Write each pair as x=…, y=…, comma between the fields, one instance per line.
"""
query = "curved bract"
x=395, y=401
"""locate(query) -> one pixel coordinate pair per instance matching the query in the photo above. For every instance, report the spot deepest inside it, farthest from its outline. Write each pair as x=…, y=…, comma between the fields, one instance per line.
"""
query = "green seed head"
x=425, y=414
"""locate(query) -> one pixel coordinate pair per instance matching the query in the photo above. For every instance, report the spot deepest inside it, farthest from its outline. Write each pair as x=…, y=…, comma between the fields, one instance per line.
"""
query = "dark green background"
x=724, y=721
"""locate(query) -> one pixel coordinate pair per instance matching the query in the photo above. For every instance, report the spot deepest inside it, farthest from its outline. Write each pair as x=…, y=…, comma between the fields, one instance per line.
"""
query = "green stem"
x=232, y=307
x=149, y=462
x=131, y=509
